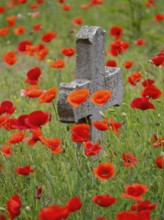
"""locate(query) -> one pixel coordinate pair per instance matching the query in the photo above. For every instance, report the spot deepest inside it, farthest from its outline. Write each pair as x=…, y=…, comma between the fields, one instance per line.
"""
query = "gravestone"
x=93, y=75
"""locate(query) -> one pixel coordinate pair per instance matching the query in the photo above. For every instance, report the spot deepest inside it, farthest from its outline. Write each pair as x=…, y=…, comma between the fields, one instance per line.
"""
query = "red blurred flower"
x=3, y=119
x=101, y=125
x=22, y=45
x=142, y=103
x=2, y=217
x=159, y=17
x=74, y=204
x=104, y=171
x=150, y=3
x=33, y=6
x=4, y=31
x=100, y=97
x=135, y=191
x=38, y=192
x=158, y=60
x=59, y=64
x=49, y=36
x=96, y=2
x=36, y=136
x=6, y=150
x=92, y=149
x=37, y=119
x=80, y=132
x=19, y=30
x=66, y=7
x=31, y=92
x=117, y=47
x=115, y=125
x=48, y=96
x=111, y=63
x=143, y=205
x=16, y=138
x=160, y=162
x=37, y=27
x=2, y=9
x=7, y=107
x=128, y=64
x=140, y=42
x=10, y=58
x=151, y=92
x=13, y=206
x=104, y=200
x=68, y=52
x=129, y=159
x=33, y=75
x=134, y=78
x=76, y=98
x=147, y=82
x=157, y=142
x=10, y=124
x=126, y=215
x=77, y=21
x=101, y=218
x=25, y=170
x=53, y=144
x=11, y=20
x=116, y=32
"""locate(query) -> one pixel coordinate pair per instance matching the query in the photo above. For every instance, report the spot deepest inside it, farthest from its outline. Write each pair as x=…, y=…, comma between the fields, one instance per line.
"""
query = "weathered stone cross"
x=90, y=74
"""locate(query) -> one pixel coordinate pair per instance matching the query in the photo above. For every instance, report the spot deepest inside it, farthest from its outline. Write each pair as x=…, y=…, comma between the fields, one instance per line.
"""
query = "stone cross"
x=93, y=75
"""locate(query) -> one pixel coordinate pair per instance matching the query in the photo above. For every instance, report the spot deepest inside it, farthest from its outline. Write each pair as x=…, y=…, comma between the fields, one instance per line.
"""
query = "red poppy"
x=150, y=3
x=135, y=191
x=16, y=138
x=111, y=63
x=37, y=119
x=7, y=107
x=10, y=58
x=143, y=205
x=151, y=92
x=22, y=45
x=40, y=1
x=76, y=98
x=140, y=42
x=11, y=20
x=102, y=125
x=33, y=6
x=2, y=9
x=159, y=17
x=53, y=144
x=68, y=52
x=157, y=60
x=24, y=171
x=49, y=36
x=4, y=31
x=160, y=162
x=104, y=200
x=61, y=1
x=80, y=132
x=38, y=192
x=2, y=217
x=92, y=149
x=36, y=136
x=66, y=7
x=74, y=204
x=54, y=212
x=20, y=122
x=3, y=119
x=19, y=30
x=135, y=78
x=33, y=75
x=101, y=218
x=116, y=32
x=157, y=142
x=31, y=92
x=84, y=6
x=126, y=215
x=100, y=97
x=142, y=103
x=77, y=21
x=48, y=96
x=37, y=27
x=104, y=171
x=6, y=150
x=115, y=125
x=128, y=64
x=117, y=47
x=13, y=206
x=10, y=124
x=31, y=50
x=147, y=82
x=96, y=2
x=129, y=159
x=59, y=64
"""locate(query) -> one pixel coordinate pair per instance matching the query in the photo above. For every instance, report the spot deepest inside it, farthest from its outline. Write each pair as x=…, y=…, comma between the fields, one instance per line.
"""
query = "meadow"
x=43, y=174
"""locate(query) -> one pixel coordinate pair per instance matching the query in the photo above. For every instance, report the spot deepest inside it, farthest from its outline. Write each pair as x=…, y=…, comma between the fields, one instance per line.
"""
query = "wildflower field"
x=51, y=170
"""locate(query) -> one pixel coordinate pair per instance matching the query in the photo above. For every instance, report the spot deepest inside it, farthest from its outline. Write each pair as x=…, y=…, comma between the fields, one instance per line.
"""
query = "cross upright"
x=93, y=75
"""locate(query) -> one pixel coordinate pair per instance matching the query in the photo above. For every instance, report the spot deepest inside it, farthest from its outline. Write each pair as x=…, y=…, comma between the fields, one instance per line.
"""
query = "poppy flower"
x=135, y=78
x=129, y=159
x=53, y=144
x=54, y=212
x=7, y=107
x=40, y=1
x=13, y=206
x=157, y=60
x=59, y=64
x=6, y=150
x=77, y=21
x=160, y=162
x=76, y=98
x=101, y=218
x=61, y=1
x=37, y=119
x=11, y=20
x=37, y=27
x=84, y=6
x=36, y=136
x=126, y=215
x=115, y=125
x=33, y=75
x=33, y=6
x=41, y=52
x=128, y=64
x=2, y=9
x=66, y=7
x=31, y=50
x=104, y=200
x=74, y=204
x=116, y=32
x=31, y=92
x=159, y=17
x=142, y=103
x=92, y=149
x=100, y=97
x=143, y=205
x=104, y=171
x=150, y=3
x=3, y=119
x=24, y=171
x=157, y=142
x=10, y=124
x=2, y=217
x=117, y=47
x=48, y=96
x=111, y=63
x=80, y=132
x=10, y=58
x=22, y=45
x=151, y=92
x=49, y=36
x=16, y=138
x=4, y=31
x=68, y=52
x=135, y=191
x=38, y=192
x=147, y=82
x=101, y=125
x=96, y=2
x=19, y=30
x=140, y=42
